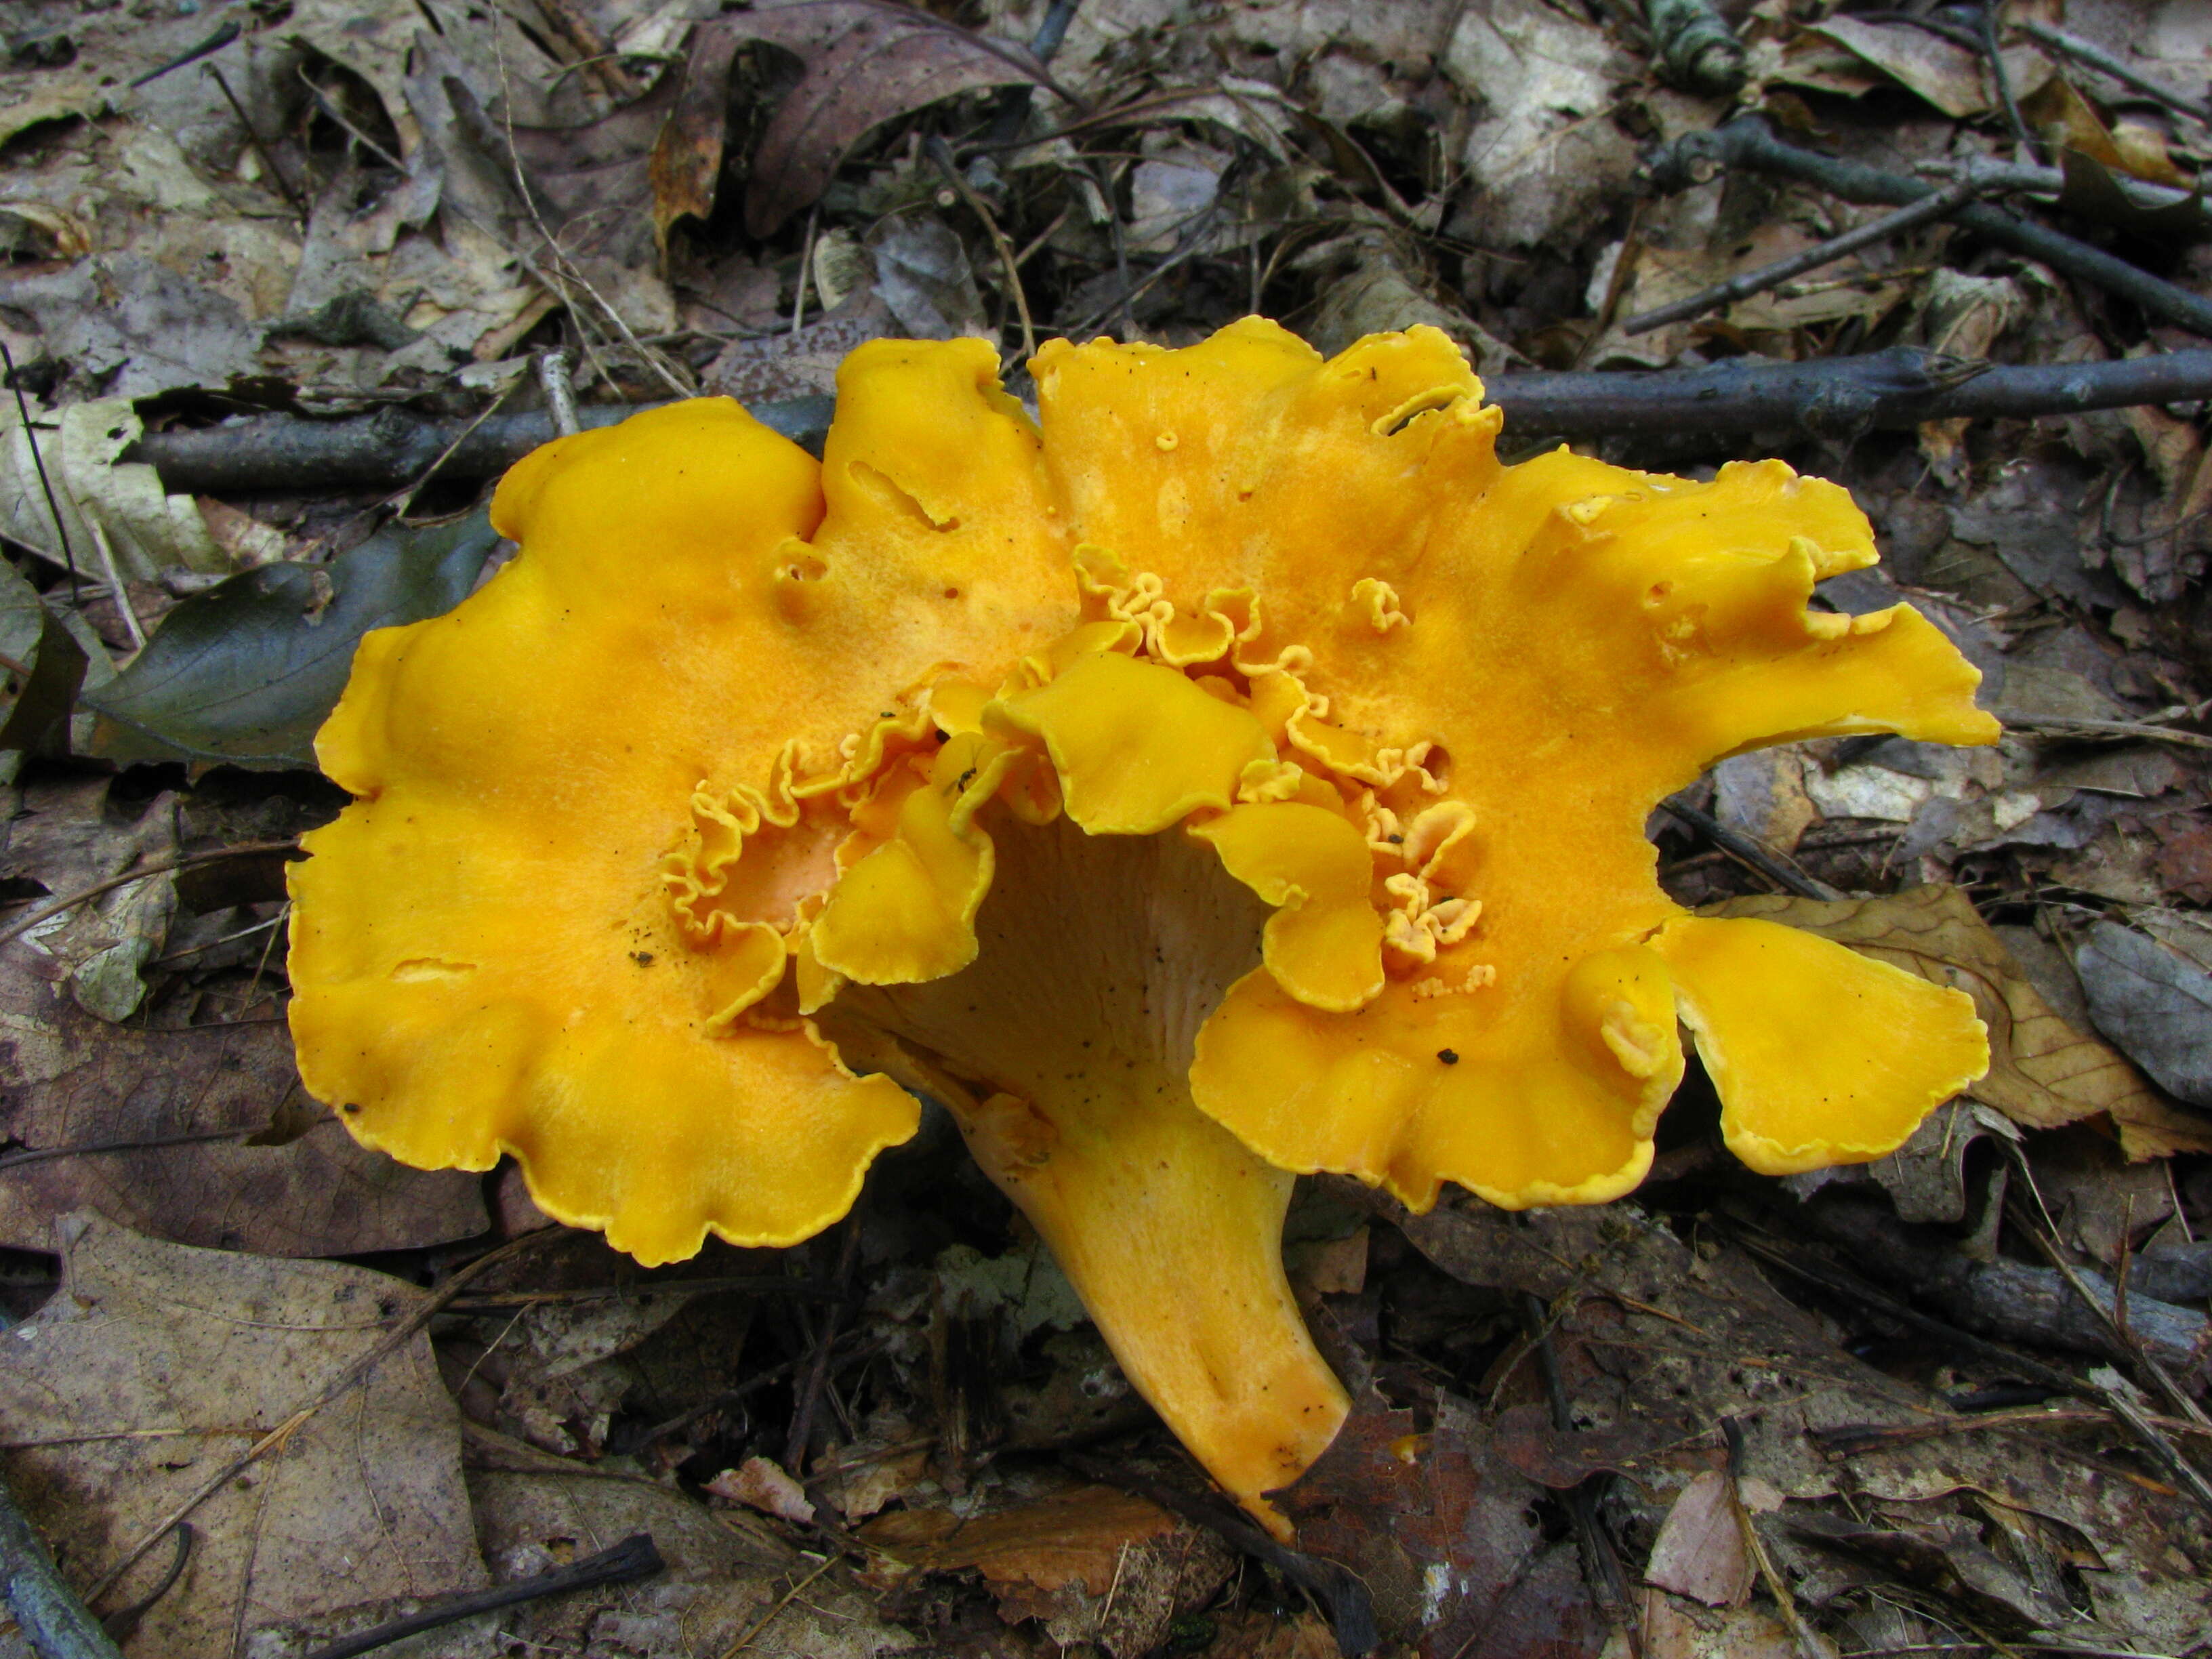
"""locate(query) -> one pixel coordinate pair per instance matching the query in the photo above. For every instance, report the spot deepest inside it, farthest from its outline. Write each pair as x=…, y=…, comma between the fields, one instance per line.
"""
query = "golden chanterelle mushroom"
x=1238, y=773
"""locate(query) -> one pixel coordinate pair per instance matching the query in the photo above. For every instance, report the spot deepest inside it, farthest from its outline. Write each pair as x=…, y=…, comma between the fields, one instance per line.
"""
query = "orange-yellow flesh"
x=483, y=946
x=1064, y=1051
x=1578, y=639
x=1253, y=700
x=1821, y=1055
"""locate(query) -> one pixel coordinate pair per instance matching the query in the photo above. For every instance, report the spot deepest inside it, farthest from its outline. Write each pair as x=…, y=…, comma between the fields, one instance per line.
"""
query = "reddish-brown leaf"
x=867, y=63
x=687, y=156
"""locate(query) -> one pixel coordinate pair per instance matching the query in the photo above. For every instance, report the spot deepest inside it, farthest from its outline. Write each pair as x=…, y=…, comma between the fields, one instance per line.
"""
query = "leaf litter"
x=1933, y=1404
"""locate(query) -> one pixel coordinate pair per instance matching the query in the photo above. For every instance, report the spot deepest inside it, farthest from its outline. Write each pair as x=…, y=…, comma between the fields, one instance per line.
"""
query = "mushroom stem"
x=1172, y=1232
x=1064, y=1051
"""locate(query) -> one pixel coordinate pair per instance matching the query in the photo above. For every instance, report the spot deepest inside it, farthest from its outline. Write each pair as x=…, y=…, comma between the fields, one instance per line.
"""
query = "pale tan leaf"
x=156, y=1364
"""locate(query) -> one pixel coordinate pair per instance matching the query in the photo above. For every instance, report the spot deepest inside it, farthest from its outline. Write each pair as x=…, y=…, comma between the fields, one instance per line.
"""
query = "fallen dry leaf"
x=146, y=529
x=1545, y=152
x=867, y=63
x=1092, y=1562
x=154, y=1365
x=1439, y=1528
x=1947, y=75
x=1672, y=1630
x=2152, y=1001
x=801, y=363
x=2043, y=1072
x=66, y=836
x=148, y=1122
x=119, y=1092
x=1071, y=1537
x=2126, y=149
x=760, y=1483
x=1926, y=1177
x=720, y=1579
x=1699, y=1552
x=687, y=154
x=1526, y=1437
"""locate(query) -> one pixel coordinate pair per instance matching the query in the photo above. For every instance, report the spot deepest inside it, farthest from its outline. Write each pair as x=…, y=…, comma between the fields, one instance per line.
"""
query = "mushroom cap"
x=734, y=731
x=484, y=949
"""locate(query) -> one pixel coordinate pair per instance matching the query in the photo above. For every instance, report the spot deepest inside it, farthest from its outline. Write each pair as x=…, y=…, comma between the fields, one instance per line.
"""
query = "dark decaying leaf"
x=687, y=156
x=588, y=183
x=244, y=672
x=37, y=721
x=1525, y=1437
x=2154, y=1003
x=2092, y=189
x=1443, y=1533
x=1092, y=1563
x=101, y=1115
x=867, y=63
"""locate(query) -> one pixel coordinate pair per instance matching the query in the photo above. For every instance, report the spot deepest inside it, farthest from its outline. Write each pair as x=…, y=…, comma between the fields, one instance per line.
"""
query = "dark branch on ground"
x=53, y=1620
x=1837, y=398
x=632, y=1558
x=1746, y=142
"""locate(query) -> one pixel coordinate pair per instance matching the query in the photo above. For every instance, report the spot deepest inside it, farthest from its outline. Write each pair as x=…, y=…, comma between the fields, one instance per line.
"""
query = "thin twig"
x=55, y=1623
x=1849, y=1284
x=216, y=42
x=2146, y=537
x=941, y=153
x=1748, y=141
x=851, y=1346
x=130, y=623
x=1810, y=1643
x=1830, y=397
x=1197, y=238
x=2073, y=1648
x=783, y=1601
x=1845, y=1438
x=226, y=939
x=407, y=1328
x=1837, y=398
x=755, y=1284
x=191, y=1137
x=2027, y=178
x=1993, y=52
x=1754, y=852
x=123, y=1621
x=802, y=1414
x=394, y=447
x=1833, y=1278
x=403, y=499
x=647, y=355
x=1601, y=1556
x=1342, y=1595
x=1941, y=205
x=2113, y=1316
x=554, y=282
x=254, y=137
x=560, y=396
x=1616, y=284
x=2143, y=729
x=23, y=924
x=39, y=464
x=635, y=1556
x=806, y=270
